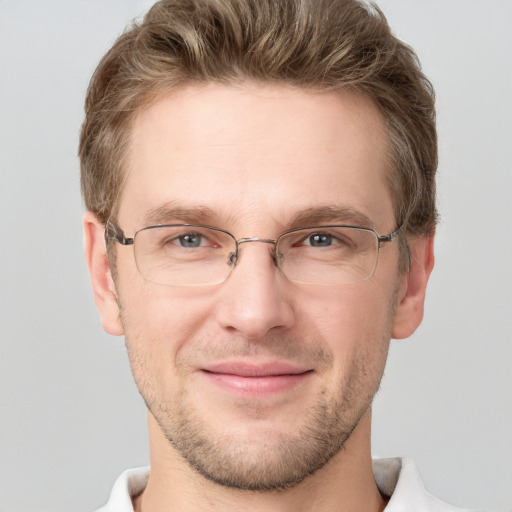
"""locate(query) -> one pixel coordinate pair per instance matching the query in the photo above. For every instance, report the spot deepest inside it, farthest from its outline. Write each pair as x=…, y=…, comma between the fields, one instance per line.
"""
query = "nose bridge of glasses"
x=234, y=256
x=255, y=239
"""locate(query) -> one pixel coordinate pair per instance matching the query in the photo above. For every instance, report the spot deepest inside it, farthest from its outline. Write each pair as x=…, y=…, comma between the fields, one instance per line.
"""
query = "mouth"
x=257, y=380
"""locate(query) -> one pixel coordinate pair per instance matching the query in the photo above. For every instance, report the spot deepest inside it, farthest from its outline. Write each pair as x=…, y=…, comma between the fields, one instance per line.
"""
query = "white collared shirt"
x=395, y=477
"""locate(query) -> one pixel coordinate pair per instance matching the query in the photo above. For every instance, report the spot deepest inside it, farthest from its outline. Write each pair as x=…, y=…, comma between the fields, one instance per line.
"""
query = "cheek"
x=158, y=322
x=354, y=321
x=354, y=311
x=172, y=312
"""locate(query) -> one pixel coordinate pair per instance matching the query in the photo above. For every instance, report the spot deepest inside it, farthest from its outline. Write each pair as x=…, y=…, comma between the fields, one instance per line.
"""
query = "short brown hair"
x=321, y=45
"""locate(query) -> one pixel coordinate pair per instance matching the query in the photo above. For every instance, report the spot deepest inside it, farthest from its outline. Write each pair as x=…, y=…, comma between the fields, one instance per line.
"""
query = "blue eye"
x=319, y=240
x=190, y=240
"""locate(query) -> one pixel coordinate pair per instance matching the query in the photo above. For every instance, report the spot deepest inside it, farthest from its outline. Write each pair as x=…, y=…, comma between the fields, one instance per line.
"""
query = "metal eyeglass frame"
x=114, y=232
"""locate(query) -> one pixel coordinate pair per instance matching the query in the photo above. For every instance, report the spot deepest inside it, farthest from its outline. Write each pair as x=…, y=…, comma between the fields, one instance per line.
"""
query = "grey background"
x=70, y=417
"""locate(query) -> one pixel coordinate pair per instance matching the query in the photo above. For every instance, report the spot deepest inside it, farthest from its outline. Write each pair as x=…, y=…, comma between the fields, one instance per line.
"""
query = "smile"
x=256, y=380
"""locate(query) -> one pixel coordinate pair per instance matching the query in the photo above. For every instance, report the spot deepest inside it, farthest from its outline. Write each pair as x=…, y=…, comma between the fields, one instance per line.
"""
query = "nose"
x=256, y=298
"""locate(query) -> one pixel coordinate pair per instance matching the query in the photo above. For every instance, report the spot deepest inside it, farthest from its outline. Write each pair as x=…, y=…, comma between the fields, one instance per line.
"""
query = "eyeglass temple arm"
x=390, y=236
x=113, y=232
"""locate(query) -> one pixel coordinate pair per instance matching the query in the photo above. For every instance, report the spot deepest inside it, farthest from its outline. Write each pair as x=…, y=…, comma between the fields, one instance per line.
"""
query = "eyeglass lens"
x=196, y=255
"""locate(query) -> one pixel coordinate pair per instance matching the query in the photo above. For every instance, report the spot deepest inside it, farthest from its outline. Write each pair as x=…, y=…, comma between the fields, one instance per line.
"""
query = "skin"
x=252, y=158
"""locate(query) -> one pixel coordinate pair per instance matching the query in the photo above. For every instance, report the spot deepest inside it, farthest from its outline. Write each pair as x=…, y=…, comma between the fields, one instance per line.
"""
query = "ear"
x=101, y=278
x=411, y=295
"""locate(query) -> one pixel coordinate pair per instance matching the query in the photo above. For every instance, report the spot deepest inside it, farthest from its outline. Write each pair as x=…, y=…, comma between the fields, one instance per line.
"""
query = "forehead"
x=256, y=154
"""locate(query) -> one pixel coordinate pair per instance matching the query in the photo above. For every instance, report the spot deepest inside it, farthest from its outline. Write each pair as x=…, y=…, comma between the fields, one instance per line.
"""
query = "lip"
x=249, y=379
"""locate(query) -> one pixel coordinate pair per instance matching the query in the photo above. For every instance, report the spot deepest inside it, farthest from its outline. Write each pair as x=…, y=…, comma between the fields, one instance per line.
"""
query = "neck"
x=346, y=483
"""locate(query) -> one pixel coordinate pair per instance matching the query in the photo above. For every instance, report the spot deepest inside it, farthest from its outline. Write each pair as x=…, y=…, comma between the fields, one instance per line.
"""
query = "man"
x=259, y=180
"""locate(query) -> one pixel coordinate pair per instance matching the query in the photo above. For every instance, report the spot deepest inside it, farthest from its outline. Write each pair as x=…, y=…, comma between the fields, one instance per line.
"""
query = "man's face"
x=259, y=381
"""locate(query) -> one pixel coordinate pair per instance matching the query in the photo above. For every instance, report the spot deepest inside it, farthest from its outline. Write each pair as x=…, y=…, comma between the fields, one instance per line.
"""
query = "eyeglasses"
x=193, y=254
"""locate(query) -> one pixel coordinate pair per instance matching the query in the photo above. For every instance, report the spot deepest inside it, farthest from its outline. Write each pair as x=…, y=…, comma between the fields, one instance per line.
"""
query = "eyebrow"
x=313, y=216
x=330, y=214
x=170, y=212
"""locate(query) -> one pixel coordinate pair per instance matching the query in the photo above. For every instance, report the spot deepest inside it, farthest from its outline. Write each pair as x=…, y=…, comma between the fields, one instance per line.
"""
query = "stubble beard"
x=283, y=459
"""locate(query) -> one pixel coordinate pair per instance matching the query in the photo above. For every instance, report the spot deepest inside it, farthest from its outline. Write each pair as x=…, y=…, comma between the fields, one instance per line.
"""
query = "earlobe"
x=101, y=278
x=411, y=295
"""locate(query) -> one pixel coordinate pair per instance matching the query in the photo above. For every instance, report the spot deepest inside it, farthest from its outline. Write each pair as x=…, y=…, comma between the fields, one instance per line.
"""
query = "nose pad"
x=232, y=259
x=277, y=257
